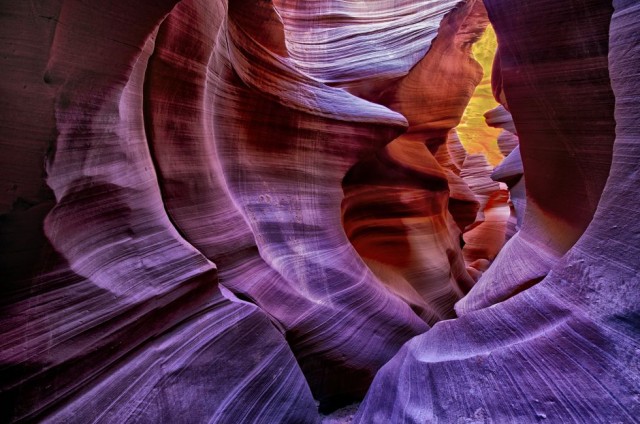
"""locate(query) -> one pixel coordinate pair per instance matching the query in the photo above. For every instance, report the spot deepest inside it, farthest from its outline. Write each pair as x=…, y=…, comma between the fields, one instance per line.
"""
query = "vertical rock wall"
x=562, y=349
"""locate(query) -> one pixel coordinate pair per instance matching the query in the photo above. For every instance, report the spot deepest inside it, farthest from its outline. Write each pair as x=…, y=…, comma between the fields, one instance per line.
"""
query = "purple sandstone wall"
x=253, y=212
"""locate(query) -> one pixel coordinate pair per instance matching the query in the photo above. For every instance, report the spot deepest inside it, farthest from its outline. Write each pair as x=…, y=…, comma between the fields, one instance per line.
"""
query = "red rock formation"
x=486, y=236
x=463, y=204
x=284, y=142
x=396, y=204
x=510, y=170
x=564, y=349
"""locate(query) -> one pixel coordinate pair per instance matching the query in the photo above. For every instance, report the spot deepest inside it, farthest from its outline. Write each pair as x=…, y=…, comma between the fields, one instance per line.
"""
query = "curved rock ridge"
x=160, y=168
x=123, y=320
x=510, y=171
x=564, y=349
x=562, y=145
x=499, y=116
x=284, y=141
x=486, y=236
x=255, y=211
x=463, y=204
x=396, y=208
x=361, y=46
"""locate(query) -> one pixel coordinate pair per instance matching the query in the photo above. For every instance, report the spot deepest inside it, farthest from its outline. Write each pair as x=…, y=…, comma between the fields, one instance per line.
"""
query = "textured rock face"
x=563, y=350
x=317, y=288
x=510, y=171
x=395, y=210
x=570, y=152
x=123, y=319
x=164, y=177
x=237, y=211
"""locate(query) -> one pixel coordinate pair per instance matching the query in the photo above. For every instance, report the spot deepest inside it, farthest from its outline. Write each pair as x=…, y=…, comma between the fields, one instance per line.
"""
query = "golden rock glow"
x=476, y=136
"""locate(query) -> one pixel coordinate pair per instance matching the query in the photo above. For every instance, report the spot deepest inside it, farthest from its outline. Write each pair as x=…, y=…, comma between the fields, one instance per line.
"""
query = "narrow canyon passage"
x=293, y=211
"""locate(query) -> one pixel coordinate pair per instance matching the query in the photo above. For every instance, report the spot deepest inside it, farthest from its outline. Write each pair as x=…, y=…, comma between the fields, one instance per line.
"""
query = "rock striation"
x=165, y=214
x=561, y=347
x=262, y=211
x=123, y=319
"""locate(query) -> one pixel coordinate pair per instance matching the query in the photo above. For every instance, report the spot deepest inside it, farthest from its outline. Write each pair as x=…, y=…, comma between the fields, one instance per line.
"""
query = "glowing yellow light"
x=476, y=136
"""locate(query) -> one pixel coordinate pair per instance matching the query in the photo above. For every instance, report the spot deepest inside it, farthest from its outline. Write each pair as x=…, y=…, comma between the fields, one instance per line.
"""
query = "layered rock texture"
x=544, y=336
x=262, y=211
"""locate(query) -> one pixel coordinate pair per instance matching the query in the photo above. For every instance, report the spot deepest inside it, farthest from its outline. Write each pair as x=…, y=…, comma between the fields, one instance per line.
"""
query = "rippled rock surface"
x=562, y=346
x=261, y=211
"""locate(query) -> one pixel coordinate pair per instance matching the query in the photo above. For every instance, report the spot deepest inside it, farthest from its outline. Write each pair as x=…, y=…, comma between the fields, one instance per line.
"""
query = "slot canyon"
x=320, y=211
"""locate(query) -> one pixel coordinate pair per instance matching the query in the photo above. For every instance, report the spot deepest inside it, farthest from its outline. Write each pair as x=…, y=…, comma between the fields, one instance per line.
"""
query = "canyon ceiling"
x=268, y=210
